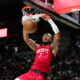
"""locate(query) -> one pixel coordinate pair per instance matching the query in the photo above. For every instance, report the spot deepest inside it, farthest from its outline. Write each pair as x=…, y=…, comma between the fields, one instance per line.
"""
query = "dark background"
x=13, y=64
x=10, y=17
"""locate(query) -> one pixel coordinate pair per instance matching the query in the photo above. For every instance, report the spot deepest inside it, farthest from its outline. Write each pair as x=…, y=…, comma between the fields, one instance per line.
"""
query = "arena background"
x=16, y=57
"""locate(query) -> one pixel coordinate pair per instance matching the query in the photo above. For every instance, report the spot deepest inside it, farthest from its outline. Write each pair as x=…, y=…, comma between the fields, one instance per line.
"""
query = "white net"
x=30, y=13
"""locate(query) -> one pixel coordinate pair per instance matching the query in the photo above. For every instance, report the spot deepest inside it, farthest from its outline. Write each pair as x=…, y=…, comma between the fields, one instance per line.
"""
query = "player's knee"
x=17, y=79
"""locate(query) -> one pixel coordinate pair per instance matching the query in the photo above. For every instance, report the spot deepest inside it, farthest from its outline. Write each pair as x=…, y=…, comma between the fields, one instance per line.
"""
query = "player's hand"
x=45, y=17
x=24, y=32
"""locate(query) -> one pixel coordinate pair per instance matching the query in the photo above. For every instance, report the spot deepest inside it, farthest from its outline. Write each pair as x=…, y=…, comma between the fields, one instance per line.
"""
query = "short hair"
x=48, y=34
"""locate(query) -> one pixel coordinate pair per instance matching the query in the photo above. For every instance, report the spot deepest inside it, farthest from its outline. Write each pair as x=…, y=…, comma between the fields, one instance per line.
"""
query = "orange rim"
x=24, y=12
x=25, y=8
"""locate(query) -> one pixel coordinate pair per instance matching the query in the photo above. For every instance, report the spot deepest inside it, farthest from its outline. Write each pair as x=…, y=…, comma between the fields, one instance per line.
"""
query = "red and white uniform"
x=41, y=63
x=42, y=59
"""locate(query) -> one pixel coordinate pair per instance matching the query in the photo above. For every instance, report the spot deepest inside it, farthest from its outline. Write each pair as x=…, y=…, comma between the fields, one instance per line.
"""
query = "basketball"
x=30, y=26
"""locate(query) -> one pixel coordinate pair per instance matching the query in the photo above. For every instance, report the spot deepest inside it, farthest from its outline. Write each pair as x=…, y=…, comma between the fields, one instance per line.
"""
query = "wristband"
x=54, y=26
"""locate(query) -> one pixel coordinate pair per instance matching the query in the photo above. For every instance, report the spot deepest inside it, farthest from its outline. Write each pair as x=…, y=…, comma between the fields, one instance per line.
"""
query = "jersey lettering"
x=42, y=50
x=42, y=58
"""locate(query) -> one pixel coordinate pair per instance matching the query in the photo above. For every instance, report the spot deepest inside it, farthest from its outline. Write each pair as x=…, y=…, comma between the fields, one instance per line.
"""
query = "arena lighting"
x=3, y=32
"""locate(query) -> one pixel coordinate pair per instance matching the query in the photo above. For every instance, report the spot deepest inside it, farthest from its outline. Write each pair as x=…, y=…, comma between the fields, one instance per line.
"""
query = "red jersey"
x=42, y=59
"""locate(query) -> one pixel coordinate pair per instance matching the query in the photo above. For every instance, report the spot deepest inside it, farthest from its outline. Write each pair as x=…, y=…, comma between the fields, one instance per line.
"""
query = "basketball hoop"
x=31, y=13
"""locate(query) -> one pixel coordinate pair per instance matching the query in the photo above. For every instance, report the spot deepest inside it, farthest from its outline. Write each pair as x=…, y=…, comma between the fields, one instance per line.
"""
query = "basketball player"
x=44, y=53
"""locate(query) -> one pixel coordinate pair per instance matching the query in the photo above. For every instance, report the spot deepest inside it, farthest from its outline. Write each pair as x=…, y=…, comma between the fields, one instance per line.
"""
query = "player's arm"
x=56, y=40
x=29, y=41
x=55, y=44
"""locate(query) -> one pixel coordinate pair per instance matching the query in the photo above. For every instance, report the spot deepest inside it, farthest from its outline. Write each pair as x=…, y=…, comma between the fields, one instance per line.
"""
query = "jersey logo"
x=42, y=50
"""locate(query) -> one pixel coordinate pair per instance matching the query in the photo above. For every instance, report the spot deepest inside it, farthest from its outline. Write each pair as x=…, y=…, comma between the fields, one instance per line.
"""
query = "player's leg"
x=23, y=77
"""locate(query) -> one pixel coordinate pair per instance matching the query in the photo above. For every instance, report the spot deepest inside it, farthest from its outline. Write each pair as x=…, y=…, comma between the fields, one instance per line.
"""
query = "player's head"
x=47, y=38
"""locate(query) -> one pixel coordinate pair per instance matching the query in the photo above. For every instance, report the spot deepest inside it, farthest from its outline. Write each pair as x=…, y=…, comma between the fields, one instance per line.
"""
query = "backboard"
x=46, y=6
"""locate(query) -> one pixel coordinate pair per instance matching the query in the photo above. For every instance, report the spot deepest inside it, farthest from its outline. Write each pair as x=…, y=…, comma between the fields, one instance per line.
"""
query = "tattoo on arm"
x=55, y=44
x=28, y=41
x=32, y=44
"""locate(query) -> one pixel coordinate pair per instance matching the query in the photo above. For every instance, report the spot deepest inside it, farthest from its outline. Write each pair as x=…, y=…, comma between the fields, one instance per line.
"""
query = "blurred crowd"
x=66, y=66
